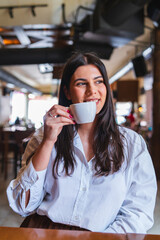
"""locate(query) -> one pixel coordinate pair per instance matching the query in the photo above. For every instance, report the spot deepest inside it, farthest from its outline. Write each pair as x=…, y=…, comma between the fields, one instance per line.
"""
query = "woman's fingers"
x=54, y=120
x=59, y=111
x=50, y=114
x=59, y=120
x=58, y=115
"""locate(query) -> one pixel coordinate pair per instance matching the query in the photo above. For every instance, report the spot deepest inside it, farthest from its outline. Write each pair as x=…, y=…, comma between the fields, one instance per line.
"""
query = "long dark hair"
x=107, y=142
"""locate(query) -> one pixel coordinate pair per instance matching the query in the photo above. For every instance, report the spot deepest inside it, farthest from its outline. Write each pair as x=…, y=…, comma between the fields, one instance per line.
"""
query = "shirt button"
x=87, y=171
x=76, y=217
x=84, y=189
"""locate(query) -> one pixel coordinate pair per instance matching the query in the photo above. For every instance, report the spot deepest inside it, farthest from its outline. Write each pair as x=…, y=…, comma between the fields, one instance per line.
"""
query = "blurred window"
x=38, y=106
x=18, y=105
x=122, y=109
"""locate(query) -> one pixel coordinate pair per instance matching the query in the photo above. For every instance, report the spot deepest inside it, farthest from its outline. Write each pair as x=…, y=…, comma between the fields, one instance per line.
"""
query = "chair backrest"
x=20, y=135
x=22, y=138
x=1, y=137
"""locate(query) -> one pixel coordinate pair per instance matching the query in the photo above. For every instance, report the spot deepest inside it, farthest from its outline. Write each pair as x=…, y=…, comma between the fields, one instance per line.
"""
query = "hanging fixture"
x=32, y=7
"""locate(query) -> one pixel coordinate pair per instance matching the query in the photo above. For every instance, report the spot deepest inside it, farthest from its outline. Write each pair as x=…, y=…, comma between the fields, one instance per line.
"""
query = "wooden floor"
x=11, y=219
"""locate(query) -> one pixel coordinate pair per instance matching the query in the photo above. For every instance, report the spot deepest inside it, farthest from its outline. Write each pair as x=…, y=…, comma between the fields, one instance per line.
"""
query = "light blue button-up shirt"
x=121, y=202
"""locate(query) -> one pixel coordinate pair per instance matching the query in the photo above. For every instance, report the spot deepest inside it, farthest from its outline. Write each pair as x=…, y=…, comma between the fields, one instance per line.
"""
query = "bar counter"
x=13, y=233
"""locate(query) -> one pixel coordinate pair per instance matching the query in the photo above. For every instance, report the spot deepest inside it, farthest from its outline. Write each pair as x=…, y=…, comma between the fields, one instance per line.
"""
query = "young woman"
x=96, y=176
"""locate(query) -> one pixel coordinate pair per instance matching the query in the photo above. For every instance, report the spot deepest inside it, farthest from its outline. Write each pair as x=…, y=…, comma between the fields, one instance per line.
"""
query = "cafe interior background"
x=37, y=37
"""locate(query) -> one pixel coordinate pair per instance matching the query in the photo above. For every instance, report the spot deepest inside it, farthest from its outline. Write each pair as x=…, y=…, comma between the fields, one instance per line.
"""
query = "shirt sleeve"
x=137, y=210
x=16, y=191
x=27, y=179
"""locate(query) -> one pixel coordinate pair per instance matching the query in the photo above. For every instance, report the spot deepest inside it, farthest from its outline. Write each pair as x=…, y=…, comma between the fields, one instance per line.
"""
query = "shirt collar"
x=78, y=144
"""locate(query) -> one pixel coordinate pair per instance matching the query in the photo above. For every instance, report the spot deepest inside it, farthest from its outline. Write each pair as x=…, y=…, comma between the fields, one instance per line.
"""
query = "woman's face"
x=87, y=84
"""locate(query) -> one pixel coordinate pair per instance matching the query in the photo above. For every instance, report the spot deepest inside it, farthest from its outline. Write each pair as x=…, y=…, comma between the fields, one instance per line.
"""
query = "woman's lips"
x=92, y=100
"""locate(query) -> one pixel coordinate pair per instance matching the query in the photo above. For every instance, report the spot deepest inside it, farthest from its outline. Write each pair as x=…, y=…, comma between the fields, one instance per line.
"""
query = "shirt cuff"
x=30, y=176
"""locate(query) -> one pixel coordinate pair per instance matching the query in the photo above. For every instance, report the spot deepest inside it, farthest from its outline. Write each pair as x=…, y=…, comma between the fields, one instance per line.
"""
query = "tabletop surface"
x=14, y=128
x=13, y=233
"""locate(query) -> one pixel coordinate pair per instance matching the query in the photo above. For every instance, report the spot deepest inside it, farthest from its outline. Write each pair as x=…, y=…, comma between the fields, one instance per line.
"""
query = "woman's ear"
x=66, y=92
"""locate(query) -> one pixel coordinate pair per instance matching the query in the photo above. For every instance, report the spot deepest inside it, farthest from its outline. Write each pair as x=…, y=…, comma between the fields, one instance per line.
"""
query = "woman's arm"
x=28, y=180
x=26, y=192
x=40, y=161
x=136, y=214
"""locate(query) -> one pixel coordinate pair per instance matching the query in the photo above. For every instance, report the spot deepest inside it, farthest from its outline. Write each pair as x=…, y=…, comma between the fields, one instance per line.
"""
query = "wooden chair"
x=1, y=149
x=7, y=145
x=21, y=138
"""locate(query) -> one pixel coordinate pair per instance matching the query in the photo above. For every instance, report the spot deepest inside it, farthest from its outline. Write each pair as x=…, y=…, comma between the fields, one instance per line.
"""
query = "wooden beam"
x=22, y=56
x=155, y=144
x=22, y=36
x=36, y=36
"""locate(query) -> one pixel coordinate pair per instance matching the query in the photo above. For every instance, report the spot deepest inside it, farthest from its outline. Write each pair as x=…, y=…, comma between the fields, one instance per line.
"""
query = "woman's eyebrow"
x=98, y=77
x=83, y=79
x=80, y=79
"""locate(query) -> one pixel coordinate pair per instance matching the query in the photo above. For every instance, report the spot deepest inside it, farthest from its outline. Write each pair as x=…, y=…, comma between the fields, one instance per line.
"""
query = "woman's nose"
x=91, y=88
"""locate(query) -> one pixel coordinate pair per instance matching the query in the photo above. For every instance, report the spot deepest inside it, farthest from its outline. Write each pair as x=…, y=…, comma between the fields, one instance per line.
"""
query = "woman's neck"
x=87, y=130
x=86, y=133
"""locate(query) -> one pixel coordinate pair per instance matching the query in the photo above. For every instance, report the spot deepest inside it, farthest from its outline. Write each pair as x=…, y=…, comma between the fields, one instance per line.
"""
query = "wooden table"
x=9, y=233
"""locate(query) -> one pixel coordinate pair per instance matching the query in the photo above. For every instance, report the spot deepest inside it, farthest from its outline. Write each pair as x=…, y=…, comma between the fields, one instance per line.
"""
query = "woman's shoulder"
x=134, y=144
x=130, y=135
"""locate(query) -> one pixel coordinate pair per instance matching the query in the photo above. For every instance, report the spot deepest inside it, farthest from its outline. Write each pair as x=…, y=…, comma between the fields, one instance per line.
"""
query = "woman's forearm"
x=40, y=160
x=41, y=157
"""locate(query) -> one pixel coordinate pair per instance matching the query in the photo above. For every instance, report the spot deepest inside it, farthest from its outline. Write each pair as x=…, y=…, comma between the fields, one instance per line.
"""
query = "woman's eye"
x=81, y=84
x=99, y=81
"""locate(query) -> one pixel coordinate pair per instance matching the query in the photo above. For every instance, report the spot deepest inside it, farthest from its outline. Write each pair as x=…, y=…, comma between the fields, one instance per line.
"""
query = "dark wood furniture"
x=13, y=140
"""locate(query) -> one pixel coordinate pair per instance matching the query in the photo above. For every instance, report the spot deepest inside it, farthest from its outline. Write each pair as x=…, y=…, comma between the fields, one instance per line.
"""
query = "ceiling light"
x=45, y=68
x=31, y=96
x=10, y=85
x=147, y=52
x=24, y=90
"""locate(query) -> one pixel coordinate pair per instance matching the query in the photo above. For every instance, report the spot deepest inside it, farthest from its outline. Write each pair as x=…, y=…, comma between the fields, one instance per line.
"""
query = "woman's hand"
x=54, y=120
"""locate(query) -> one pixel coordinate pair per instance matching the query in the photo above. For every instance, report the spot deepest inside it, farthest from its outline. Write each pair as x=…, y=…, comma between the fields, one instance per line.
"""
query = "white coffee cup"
x=83, y=112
